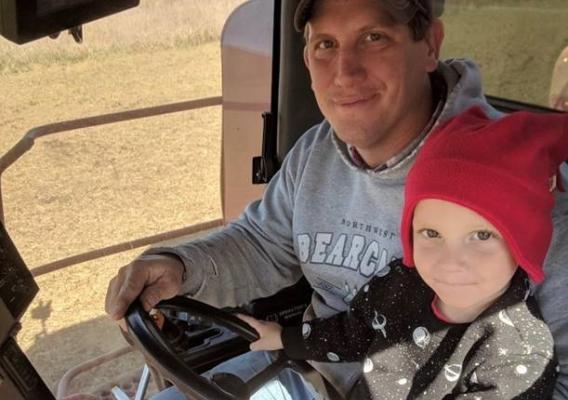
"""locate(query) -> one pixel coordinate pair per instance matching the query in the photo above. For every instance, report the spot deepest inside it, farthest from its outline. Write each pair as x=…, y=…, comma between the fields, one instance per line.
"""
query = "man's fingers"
x=124, y=288
x=109, y=296
x=151, y=277
x=165, y=287
x=130, y=289
x=152, y=296
x=112, y=306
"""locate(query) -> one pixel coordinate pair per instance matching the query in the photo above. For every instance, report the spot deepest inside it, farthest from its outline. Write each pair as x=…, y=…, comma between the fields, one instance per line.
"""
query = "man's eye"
x=483, y=235
x=430, y=233
x=324, y=44
x=374, y=36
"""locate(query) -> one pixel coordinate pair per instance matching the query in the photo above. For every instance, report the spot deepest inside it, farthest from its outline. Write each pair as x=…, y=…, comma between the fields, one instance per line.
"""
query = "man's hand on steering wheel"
x=151, y=278
x=145, y=334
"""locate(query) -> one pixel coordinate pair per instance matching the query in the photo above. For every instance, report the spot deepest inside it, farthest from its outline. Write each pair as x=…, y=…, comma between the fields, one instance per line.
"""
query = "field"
x=87, y=189
x=91, y=188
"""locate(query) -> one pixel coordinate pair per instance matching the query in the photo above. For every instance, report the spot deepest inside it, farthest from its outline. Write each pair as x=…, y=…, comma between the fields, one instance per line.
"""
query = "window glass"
x=520, y=46
x=88, y=189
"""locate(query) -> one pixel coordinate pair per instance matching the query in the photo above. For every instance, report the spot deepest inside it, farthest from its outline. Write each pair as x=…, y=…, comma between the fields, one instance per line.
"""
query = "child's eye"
x=430, y=233
x=483, y=235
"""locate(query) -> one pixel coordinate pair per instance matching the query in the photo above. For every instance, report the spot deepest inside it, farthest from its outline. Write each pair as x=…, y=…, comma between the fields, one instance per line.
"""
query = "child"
x=462, y=324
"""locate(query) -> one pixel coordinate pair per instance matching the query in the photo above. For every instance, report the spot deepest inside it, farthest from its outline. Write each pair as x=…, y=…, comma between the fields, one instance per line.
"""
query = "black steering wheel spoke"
x=168, y=358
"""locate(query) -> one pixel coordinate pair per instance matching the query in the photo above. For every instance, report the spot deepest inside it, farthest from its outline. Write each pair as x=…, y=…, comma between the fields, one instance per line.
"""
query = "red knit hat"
x=500, y=169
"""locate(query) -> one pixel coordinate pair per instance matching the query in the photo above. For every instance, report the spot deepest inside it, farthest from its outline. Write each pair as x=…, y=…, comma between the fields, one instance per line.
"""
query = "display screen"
x=22, y=21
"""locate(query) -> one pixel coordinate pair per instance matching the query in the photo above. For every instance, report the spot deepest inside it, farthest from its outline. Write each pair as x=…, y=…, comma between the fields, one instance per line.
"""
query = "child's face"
x=460, y=255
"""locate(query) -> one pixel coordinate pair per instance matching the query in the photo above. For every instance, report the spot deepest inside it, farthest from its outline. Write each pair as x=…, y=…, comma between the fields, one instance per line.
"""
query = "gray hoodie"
x=323, y=217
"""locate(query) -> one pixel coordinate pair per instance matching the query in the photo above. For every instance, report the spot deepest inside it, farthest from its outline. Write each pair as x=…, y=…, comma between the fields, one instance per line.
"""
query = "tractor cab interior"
x=266, y=93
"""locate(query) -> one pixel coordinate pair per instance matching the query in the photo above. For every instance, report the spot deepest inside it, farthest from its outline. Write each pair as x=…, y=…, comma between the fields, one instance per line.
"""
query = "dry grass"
x=91, y=188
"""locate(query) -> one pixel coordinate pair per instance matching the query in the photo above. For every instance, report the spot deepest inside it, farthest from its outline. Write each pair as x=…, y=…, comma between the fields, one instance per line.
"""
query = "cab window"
x=520, y=47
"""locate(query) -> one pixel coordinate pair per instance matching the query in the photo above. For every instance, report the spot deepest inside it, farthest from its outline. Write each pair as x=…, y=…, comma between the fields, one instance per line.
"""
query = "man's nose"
x=349, y=68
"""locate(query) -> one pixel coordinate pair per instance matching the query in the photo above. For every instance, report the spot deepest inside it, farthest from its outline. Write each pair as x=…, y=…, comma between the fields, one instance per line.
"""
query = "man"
x=332, y=212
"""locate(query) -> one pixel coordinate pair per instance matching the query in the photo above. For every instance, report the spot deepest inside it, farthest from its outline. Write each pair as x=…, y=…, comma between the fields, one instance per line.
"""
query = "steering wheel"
x=150, y=341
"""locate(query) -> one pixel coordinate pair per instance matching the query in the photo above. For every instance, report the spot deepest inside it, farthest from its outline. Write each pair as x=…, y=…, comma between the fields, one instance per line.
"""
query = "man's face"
x=370, y=78
x=461, y=256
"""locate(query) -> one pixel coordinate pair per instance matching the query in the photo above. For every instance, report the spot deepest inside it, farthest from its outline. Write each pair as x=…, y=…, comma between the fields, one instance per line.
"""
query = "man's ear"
x=306, y=59
x=434, y=38
x=307, y=64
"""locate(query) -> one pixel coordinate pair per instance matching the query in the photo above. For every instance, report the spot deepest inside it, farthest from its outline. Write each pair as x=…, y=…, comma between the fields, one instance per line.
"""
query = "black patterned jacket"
x=408, y=353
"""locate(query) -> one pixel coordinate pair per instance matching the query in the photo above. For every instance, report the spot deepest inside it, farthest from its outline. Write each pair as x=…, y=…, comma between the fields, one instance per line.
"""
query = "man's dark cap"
x=401, y=14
